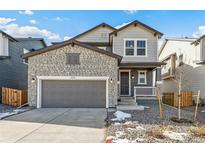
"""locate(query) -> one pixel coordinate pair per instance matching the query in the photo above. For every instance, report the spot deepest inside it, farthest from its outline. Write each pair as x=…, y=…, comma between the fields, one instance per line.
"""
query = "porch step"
x=127, y=101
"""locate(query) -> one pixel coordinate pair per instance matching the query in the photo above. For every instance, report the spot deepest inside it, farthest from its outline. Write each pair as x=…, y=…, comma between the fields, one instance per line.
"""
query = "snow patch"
x=119, y=134
x=6, y=114
x=120, y=116
x=139, y=140
x=174, y=135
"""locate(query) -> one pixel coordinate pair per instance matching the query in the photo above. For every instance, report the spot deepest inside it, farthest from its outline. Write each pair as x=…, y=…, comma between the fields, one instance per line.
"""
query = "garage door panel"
x=63, y=93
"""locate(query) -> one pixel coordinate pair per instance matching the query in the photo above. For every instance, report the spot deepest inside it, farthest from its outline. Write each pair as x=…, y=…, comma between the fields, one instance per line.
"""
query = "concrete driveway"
x=55, y=125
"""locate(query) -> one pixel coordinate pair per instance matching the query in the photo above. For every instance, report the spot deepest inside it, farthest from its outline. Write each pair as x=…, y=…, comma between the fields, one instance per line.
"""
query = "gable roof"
x=9, y=36
x=72, y=42
x=198, y=40
x=174, y=39
x=31, y=39
x=100, y=25
x=140, y=23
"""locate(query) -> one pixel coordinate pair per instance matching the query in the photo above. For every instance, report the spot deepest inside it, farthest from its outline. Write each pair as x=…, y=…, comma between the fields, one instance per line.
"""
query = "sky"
x=61, y=25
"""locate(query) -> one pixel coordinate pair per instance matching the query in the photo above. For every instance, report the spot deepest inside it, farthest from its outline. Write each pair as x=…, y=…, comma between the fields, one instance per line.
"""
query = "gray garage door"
x=73, y=94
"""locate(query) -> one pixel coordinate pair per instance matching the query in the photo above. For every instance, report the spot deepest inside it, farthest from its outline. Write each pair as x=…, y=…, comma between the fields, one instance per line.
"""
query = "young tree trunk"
x=179, y=96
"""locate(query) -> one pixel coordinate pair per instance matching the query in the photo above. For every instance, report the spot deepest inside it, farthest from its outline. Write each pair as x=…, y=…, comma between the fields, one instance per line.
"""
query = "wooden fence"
x=173, y=99
x=14, y=97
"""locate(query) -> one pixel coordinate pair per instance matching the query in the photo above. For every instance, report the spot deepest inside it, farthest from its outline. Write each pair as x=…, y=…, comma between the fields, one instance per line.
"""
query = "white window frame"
x=138, y=76
x=125, y=47
x=135, y=47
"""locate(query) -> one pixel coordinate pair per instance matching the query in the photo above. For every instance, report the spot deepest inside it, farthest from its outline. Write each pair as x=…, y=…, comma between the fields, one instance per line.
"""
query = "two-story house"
x=95, y=68
x=13, y=70
x=183, y=56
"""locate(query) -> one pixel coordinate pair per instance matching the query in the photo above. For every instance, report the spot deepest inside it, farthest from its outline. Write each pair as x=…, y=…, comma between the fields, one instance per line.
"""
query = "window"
x=141, y=47
x=142, y=79
x=129, y=48
x=73, y=58
x=135, y=47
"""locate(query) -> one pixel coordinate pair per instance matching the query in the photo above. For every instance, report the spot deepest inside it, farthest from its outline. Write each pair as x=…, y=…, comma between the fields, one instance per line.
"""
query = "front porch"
x=137, y=82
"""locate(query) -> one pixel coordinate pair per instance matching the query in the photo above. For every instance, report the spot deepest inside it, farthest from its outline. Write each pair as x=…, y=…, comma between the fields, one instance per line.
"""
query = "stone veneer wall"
x=53, y=63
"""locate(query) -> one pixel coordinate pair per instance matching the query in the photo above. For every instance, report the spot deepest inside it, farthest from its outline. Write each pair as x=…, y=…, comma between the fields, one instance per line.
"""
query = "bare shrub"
x=156, y=134
x=198, y=131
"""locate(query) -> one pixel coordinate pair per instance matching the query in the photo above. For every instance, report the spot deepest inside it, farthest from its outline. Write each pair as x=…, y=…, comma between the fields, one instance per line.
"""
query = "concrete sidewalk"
x=55, y=125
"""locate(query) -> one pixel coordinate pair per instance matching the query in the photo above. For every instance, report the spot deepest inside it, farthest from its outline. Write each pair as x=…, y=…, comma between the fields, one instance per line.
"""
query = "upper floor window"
x=141, y=47
x=135, y=47
x=129, y=48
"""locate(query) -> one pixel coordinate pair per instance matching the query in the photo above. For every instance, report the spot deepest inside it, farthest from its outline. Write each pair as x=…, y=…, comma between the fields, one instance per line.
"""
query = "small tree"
x=182, y=79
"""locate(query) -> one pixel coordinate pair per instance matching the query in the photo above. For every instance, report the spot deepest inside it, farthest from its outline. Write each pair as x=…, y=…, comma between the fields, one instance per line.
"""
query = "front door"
x=124, y=83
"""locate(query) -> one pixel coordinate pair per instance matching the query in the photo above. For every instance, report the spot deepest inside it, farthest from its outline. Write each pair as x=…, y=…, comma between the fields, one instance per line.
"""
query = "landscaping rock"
x=146, y=127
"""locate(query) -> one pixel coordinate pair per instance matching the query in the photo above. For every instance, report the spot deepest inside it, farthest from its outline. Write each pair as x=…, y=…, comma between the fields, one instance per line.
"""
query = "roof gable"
x=9, y=36
x=32, y=39
x=94, y=28
x=136, y=23
x=174, y=39
x=196, y=42
x=70, y=42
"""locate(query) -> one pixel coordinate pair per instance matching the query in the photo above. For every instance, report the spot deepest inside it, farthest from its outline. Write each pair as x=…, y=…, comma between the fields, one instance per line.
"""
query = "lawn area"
x=145, y=126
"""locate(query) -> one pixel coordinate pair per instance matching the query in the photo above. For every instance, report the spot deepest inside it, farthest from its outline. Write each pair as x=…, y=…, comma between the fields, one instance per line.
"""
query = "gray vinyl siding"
x=13, y=72
x=193, y=74
x=136, y=33
x=134, y=82
x=29, y=45
x=96, y=35
x=202, y=50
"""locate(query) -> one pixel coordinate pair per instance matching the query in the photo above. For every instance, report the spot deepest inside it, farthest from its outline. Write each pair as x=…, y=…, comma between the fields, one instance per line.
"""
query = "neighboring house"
x=13, y=70
x=189, y=54
x=96, y=67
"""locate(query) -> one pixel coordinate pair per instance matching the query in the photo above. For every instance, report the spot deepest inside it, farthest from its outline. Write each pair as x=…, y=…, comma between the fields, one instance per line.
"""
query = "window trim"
x=129, y=48
x=135, y=47
x=138, y=76
x=72, y=54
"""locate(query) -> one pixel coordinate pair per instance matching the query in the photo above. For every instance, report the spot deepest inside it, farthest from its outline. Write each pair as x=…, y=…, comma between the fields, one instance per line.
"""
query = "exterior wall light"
x=132, y=76
x=33, y=80
x=111, y=81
